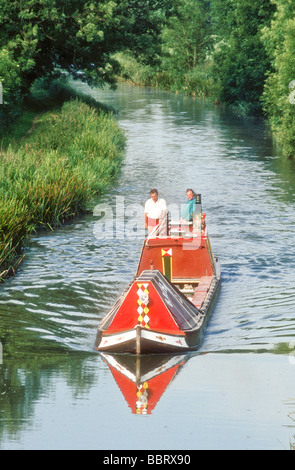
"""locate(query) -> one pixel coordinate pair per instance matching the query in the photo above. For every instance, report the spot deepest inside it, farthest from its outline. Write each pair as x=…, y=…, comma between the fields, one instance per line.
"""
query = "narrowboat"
x=168, y=303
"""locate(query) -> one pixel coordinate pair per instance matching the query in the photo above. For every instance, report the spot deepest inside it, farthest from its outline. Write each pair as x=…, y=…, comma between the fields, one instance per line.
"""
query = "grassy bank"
x=52, y=165
x=198, y=82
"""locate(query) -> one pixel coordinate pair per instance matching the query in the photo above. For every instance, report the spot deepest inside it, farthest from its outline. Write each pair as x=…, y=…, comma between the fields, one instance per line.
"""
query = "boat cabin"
x=181, y=251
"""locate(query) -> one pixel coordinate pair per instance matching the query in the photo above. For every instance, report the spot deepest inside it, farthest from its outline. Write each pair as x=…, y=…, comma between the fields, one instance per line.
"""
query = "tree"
x=240, y=59
x=141, y=24
x=187, y=36
x=46, y=37
x=278, y=96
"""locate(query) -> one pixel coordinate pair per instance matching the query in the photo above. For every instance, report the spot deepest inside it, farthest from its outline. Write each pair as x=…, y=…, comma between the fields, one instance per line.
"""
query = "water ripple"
x=70, y=279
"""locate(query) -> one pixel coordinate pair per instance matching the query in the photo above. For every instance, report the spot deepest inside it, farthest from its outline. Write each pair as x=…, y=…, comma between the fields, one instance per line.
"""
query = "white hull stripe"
x=171, y=340
x=118, y=338
x=160, y=338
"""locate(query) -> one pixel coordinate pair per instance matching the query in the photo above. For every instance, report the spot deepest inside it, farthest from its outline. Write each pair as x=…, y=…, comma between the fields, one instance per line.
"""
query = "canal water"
x=238, y=390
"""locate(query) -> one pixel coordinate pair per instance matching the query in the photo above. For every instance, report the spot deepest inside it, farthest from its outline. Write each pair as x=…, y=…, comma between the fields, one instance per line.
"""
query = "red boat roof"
x=165, y=308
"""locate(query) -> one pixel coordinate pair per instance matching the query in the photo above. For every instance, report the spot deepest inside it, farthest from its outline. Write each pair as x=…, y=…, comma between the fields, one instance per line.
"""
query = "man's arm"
x=164, y=209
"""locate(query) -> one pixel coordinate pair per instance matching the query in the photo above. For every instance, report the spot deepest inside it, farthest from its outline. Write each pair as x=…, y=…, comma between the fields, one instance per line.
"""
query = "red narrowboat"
x=167, y=305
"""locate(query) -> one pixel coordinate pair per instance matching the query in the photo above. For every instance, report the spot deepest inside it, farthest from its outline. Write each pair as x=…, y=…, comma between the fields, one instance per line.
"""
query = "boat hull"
x=140, y=340
x=167, y=305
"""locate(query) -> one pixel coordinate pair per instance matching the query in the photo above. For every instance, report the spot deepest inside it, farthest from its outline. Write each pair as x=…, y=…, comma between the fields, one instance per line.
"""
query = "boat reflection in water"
x=143, y=379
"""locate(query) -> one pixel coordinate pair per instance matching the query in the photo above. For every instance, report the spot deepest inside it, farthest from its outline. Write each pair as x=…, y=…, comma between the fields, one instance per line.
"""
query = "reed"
x=54, y=172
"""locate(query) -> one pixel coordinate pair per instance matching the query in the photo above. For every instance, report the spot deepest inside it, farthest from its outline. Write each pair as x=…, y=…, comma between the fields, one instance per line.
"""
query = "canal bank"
x=52, y=167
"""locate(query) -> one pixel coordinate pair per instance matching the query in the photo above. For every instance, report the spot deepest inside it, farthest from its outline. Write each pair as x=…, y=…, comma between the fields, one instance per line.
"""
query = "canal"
x=238, y=390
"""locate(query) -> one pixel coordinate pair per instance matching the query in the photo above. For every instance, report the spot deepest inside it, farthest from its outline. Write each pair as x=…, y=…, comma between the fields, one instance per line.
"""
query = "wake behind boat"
x=168, y=303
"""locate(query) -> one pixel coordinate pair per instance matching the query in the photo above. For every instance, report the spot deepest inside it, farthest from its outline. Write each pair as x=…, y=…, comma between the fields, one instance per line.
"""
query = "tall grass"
x=53, y=173
x=198, y=82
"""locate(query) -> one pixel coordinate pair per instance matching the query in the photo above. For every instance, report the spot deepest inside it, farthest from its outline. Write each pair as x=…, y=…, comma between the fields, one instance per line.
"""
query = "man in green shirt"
x=190, y=206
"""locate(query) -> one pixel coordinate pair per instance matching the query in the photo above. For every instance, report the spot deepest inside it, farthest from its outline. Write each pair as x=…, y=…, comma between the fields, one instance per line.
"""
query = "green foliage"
x=11, y=82
x=200, y=82
x=186, y=37
x=183, y=64
x=77, y=36
x=135, y=72
x=48, y=37
x=213, y=50
x=9, y=73
x=13, y=229
x=140, y=24
x=279, y=105
x=240, y=60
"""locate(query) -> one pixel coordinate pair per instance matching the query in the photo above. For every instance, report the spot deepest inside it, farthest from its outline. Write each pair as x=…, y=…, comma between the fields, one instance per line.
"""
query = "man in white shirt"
x=154, y=210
